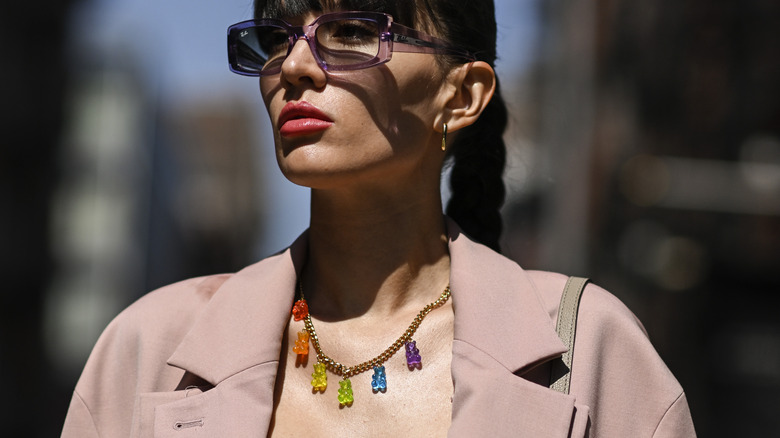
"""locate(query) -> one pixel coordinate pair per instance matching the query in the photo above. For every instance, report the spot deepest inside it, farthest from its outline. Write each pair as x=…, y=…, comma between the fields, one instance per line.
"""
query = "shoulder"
x=146, y=334
x=148, y=331
x=130, y=357
x=134, y=354
x=616, y=370
x=171, y=308
x=596, y=304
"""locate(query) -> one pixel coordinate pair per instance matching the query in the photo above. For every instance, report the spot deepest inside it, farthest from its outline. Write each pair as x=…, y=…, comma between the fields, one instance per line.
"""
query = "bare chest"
x=416, y=402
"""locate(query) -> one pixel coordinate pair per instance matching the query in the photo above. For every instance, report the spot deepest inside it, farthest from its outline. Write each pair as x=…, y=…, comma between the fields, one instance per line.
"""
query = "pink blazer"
x=221, y=337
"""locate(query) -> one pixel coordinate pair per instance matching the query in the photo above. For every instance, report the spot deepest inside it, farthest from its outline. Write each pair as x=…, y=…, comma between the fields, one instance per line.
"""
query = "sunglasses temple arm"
x=405, y=39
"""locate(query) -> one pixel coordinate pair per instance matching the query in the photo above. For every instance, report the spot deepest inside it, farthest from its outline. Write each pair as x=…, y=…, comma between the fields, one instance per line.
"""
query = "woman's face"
x=371, y=127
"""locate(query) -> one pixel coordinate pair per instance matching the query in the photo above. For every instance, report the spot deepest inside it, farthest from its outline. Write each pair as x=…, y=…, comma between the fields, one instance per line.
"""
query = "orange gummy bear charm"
x=302, y=344
x=300, y=310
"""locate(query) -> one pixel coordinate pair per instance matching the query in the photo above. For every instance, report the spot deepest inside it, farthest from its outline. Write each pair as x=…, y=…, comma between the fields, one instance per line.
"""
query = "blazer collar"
x=243, y=324
x=497, y=307
x=495, y=304
x=501, y=330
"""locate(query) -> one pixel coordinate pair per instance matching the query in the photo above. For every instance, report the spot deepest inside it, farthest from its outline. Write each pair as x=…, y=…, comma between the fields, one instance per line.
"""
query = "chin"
x=313, y=178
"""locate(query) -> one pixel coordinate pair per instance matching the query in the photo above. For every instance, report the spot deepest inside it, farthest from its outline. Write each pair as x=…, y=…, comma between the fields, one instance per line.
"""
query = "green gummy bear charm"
x=345, y=392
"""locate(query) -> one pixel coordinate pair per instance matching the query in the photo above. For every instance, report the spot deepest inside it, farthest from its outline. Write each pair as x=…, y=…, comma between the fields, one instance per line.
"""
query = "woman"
x=365, y=111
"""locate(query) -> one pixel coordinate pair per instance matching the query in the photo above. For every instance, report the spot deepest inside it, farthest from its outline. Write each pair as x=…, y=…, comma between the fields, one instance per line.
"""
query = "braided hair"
x=478, y=153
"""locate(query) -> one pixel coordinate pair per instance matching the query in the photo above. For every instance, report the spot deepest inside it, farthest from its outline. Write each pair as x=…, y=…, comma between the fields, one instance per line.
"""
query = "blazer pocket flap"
x=146, y=405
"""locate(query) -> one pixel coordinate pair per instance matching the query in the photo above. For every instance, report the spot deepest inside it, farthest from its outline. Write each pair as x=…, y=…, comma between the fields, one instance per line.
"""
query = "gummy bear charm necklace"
x=378, y=381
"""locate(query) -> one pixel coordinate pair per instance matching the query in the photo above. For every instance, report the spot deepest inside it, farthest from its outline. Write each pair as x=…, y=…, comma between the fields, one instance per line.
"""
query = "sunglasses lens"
x=258, y=50
x=348, y=42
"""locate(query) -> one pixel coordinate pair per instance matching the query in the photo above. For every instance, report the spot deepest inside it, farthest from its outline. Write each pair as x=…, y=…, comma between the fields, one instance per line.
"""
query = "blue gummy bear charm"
x=379, y=380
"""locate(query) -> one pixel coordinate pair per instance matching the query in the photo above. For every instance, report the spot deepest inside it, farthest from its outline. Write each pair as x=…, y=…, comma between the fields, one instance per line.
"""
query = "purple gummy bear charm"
x=413, y=359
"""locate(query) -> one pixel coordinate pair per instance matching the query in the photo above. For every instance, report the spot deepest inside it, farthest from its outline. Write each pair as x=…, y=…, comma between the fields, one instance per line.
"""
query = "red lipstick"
x=302, y=118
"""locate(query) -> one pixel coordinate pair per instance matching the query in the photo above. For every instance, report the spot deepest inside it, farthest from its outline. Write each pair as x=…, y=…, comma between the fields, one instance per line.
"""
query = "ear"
x=470, y=86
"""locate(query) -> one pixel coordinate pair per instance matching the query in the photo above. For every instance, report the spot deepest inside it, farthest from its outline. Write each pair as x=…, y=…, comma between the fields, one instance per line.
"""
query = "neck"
x=375, y=257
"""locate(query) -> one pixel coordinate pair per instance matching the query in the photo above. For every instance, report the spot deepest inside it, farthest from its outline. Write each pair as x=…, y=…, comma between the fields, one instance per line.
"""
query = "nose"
x=301, y=67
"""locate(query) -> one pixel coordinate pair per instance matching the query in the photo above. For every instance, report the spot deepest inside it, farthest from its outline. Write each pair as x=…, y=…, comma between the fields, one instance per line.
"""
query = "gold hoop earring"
x=444, y=138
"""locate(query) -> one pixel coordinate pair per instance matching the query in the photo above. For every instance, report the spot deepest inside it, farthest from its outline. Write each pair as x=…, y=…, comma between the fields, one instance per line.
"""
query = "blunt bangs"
x=403, y=11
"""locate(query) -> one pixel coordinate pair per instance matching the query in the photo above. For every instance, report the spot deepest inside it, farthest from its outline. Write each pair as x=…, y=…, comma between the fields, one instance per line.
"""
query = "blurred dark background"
x=644, y=154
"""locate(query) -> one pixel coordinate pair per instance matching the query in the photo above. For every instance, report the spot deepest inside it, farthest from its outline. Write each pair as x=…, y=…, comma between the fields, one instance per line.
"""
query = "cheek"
x=414, y=108
x=401, y=107
x=269, y=88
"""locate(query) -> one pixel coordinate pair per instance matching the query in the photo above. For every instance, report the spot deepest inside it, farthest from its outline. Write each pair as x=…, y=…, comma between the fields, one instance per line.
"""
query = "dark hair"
x=478, y=152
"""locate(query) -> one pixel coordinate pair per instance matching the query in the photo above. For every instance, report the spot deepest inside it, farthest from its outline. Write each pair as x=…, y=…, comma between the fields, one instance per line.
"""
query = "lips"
x=302, y=118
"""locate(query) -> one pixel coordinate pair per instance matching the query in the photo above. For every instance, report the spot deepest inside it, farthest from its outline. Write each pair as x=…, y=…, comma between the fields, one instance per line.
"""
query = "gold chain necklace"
x=378, y=382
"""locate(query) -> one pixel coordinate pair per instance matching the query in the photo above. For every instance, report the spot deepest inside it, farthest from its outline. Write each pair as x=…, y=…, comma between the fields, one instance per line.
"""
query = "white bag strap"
x=567, y=328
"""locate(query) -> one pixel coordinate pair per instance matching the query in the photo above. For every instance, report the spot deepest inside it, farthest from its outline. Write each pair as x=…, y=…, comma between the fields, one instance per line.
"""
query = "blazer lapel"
x=501, y=331
x=234, y=346
x=491, y=401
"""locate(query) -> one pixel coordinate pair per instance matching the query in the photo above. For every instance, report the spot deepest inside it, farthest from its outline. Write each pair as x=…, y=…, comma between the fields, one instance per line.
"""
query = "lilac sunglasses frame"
x=393, y=37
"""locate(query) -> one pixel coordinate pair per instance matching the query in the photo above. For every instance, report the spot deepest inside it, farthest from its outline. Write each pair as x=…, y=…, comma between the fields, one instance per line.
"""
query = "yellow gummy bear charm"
x=319, y=379
x=345, y=392
x=302, y=344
